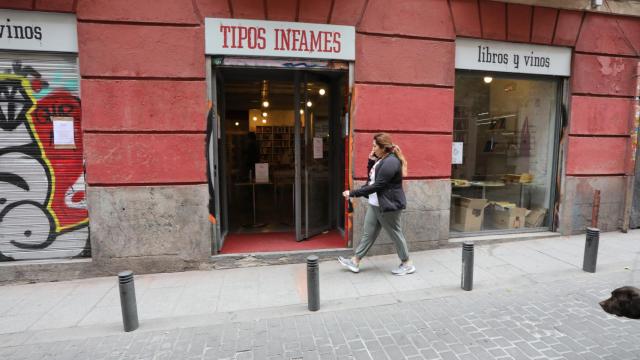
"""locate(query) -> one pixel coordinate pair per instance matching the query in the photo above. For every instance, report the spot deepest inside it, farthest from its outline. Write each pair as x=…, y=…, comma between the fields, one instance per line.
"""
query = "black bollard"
x=467, y=266
x=313, y=283
x=128, y=301
x=591, y=250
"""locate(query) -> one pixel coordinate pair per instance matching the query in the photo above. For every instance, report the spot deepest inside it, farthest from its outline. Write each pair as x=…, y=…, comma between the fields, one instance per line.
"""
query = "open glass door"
x=314, y=165
x=217, y=156
x=277, y=156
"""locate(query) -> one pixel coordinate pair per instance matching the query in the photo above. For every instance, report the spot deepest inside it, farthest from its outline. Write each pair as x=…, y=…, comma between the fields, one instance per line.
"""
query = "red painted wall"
x=422, y=18
x=143, y=72
x=519, y=22
x=603, y=84
x=404, y=61
x=597, y=155
x=544, y=23
x=600, y=115
x=426, y=154
x=141, y=51
x=404, y=83
x=400, y=108
x=466, y=18
x=493, y=19
x=603, y=75
x=153, y=11
x=144, y=105
x=126, y=159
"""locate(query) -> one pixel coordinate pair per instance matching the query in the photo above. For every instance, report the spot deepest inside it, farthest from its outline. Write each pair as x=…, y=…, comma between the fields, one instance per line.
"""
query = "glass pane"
x=315, y=109
x=259, y=149
x=504, y=132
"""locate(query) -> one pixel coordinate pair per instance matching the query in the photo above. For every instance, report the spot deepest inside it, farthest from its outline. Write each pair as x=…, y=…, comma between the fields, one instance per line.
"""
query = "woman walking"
x=386, y=168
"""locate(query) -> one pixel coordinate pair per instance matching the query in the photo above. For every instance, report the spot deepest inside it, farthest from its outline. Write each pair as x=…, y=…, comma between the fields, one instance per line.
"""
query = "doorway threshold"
x=229, y=261
x=266, y=242
x=502, y=238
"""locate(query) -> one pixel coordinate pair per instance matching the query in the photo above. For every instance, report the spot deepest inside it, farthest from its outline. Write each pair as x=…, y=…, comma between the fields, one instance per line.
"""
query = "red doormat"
x=280, y=241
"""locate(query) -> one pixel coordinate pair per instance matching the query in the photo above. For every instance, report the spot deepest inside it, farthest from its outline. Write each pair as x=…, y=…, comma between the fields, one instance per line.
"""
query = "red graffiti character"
x=67, y=196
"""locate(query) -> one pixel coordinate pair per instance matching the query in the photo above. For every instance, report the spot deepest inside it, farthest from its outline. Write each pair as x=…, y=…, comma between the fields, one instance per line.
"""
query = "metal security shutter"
x=43, y=212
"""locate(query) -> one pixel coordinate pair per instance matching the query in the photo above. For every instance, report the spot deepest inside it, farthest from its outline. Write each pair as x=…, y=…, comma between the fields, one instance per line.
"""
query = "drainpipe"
x=628, y=198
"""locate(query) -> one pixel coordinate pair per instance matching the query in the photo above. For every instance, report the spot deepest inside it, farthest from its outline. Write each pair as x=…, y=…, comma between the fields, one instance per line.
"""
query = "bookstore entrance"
x=278, y=159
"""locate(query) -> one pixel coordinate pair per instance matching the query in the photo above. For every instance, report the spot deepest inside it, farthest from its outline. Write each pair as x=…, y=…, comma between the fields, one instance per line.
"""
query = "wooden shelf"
x=276, y=144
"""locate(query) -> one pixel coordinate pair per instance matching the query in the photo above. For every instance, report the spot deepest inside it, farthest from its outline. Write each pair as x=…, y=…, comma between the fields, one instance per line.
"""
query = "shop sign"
x=279, y=39
x=38, y=31
x=474, y=54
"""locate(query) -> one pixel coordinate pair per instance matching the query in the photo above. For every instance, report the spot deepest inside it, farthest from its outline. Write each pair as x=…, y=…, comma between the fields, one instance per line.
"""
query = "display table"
x=485, y=184
x=253, y=185
x=494, y=184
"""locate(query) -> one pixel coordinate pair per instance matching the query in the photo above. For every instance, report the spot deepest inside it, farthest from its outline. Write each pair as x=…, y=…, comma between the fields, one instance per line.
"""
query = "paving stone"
x=555, y=320
x=394, y=352
x=379, y=355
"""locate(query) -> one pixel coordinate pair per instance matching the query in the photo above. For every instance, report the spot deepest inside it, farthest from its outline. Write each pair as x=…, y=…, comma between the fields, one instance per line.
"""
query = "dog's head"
x=624, y=301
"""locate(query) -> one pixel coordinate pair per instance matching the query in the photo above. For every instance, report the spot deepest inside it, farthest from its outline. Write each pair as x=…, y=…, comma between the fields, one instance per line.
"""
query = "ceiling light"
x=265, y=104
x=264, y=121
x=301, y=111
x=255, y=118
x=309, y=103
x=237, y=123
x=264, y=114
x=322, y=92
x=488, y=79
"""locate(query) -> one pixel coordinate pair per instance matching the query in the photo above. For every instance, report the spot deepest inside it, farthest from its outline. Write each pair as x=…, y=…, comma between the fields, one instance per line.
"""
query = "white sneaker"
x=404, y=269
x=349, y=264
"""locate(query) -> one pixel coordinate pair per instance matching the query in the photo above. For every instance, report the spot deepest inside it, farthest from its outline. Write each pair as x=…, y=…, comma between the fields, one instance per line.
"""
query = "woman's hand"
x=345, y=194
x=372, y=155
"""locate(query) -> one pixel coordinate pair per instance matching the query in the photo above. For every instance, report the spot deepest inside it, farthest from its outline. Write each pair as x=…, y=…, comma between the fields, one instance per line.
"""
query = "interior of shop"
x=265, y=113
x=503, y=152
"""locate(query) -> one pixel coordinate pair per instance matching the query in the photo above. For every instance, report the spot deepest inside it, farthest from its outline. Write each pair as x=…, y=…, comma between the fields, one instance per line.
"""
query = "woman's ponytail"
x=397, y=152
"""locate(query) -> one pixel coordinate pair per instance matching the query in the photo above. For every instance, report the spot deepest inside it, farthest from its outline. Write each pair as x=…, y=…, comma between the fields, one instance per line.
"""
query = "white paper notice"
x=317, y=148
x=63, y=133
x=262, y=172
x=456, y=153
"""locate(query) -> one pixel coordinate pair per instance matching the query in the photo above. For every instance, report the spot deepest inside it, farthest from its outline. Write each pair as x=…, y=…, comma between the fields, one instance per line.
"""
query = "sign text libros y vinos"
x=38, y=31
x=474, y=54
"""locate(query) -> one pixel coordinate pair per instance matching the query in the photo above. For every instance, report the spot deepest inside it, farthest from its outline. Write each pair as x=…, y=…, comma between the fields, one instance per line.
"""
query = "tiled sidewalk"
x=189, y=296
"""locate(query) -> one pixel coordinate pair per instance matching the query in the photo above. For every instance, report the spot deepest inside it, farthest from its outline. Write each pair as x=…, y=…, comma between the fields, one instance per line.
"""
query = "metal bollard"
x=467, y=266
x=128, y=301
x=313, y=283
x=591, y=250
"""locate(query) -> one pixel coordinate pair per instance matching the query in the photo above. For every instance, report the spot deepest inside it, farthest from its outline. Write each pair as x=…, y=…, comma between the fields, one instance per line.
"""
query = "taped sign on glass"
x=262, y=173
x=456, y=153
x=317, y=148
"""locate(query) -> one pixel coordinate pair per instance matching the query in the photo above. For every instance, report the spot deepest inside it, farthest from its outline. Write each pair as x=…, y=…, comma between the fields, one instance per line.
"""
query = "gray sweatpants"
x=375, y=219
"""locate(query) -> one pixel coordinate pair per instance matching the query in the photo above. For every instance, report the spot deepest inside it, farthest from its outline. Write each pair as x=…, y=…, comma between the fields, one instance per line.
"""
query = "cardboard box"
x=467, y=213
x=499, y=217
x=536, y=217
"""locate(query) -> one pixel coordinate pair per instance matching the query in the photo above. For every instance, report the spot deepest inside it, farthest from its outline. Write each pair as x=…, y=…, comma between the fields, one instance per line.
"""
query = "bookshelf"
x=276, y=144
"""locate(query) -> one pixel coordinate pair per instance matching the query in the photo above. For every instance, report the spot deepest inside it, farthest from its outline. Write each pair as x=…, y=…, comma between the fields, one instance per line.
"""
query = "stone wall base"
x=425, y=222
x=577, y=202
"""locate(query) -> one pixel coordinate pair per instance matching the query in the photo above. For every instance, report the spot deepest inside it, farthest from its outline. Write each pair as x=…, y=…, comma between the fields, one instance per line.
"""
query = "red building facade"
x=144, y=105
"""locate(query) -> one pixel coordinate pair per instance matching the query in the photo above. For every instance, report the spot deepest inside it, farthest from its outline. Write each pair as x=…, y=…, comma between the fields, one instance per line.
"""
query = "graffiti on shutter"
x=43, y=211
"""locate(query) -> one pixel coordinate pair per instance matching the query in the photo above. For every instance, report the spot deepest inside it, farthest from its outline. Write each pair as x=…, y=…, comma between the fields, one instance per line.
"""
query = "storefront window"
x=502, y=168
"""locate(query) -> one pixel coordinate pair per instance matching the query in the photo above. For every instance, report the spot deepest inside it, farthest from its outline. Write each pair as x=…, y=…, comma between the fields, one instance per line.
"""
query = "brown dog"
x=624, y=301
